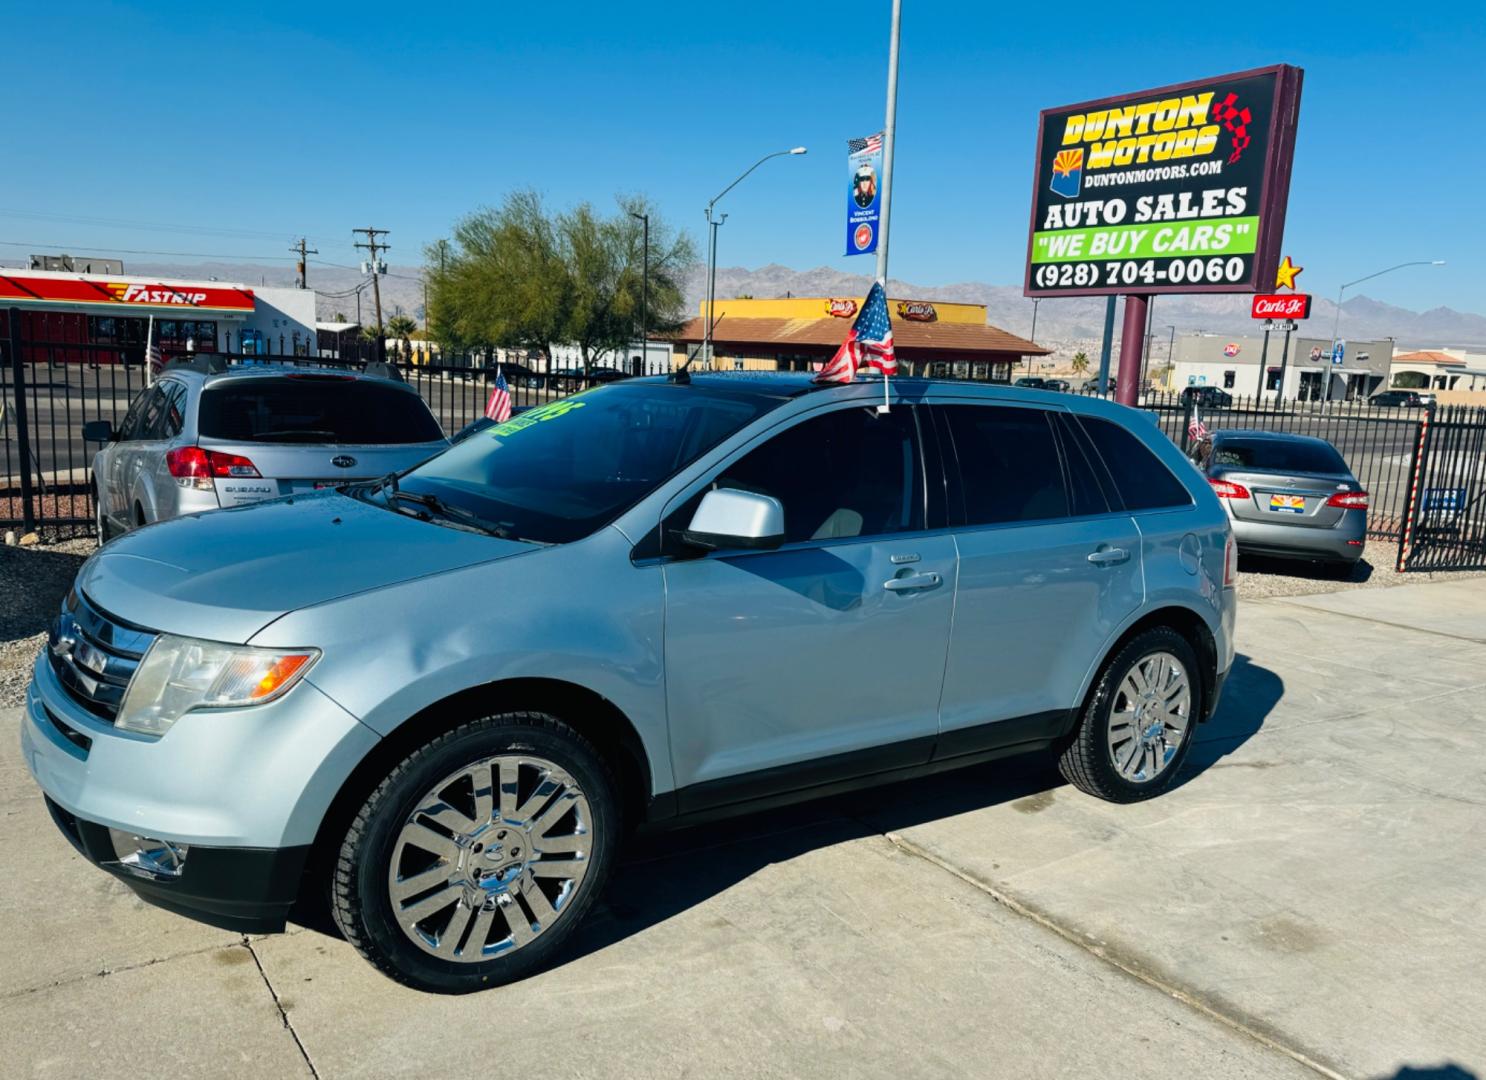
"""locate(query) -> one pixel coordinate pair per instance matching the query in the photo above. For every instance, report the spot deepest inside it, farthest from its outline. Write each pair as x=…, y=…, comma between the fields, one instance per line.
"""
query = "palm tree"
x=401, y=327
x=1080, y=362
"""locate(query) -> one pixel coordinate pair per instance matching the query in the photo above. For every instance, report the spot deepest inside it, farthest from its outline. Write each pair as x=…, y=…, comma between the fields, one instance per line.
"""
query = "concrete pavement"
x=1308, y=902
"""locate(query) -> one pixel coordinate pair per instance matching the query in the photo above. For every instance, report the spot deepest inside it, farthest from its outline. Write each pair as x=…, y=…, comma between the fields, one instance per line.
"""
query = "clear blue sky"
x=241, y=126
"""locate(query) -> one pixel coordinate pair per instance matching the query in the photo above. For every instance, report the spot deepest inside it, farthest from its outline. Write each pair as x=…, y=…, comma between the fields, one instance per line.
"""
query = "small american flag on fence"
x=869, y=342
x=872, y=144
x=498, y=408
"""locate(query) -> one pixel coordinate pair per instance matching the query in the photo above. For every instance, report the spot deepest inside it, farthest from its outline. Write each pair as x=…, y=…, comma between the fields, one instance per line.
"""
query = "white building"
x=1439, y=369
x=1245, y=366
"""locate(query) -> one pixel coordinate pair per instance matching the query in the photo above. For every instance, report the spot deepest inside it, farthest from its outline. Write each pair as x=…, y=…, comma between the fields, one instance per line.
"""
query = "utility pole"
x=372, y=246
x=299, y=248
x=889, y=135
x=644, y=296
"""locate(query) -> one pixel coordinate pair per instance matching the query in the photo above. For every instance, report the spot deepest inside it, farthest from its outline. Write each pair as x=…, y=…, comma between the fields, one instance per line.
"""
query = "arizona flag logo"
x=1068, y=173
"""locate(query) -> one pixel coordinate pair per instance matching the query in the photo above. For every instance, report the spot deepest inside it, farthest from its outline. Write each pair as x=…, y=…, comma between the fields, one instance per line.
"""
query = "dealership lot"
x=1307, y=902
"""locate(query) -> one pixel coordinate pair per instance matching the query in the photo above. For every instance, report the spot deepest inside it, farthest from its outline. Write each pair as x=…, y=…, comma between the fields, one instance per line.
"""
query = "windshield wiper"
x=437, y=506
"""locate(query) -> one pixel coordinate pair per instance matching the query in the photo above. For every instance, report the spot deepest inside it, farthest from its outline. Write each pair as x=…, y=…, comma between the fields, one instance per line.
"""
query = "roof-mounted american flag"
x=498, y=408
x=869, y=342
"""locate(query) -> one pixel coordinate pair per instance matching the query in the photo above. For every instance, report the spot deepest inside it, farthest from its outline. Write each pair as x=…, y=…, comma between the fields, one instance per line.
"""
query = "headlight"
x=180, y=674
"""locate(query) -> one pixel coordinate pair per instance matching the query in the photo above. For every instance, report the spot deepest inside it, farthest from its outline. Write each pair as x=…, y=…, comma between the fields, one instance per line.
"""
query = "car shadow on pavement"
x=667, y=871
x=1447, y=1071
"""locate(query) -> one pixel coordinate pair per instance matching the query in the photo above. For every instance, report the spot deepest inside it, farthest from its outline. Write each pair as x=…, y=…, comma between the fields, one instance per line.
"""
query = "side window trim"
x=1068, y=450
x=657, y=549
x=1073, y=437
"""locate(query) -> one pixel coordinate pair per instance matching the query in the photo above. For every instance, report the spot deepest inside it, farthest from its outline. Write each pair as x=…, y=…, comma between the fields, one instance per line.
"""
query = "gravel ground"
x=33, y=581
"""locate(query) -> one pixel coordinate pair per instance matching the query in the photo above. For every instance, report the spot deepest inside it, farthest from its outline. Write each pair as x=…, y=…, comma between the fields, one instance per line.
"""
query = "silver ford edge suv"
x=443, y=697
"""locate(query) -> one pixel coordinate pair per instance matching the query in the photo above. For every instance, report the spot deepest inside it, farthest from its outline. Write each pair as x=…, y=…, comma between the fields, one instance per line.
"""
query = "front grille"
x=94, y=655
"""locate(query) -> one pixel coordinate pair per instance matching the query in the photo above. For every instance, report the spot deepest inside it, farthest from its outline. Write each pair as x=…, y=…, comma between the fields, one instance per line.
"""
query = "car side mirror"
x=98, y=431
x=729, y=518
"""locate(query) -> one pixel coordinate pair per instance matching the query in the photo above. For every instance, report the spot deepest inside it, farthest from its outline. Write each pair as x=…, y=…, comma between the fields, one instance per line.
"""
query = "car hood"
x=225, y=574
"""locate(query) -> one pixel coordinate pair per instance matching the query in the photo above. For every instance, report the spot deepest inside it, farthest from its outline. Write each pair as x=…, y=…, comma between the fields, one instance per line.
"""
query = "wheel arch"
x=591, y=714
x=1186, y=621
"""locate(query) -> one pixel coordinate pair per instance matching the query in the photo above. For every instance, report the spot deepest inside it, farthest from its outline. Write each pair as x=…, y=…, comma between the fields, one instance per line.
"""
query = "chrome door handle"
x=1108, y=556
x=911, y=581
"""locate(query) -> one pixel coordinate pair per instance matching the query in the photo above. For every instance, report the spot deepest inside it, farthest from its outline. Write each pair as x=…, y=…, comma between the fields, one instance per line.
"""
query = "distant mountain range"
x=1069, y=325
x=1065, y=326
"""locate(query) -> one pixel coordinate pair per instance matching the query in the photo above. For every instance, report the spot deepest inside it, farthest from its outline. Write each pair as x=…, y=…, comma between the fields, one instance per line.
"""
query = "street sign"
x=1338, y=352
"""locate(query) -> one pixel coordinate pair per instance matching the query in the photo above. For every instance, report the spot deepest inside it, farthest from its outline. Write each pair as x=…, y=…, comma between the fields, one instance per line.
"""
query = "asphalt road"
x=1305, y=903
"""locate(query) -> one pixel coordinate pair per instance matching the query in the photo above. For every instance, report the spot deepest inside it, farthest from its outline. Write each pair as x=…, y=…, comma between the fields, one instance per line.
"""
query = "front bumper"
x=246, y=789
x=249, y=890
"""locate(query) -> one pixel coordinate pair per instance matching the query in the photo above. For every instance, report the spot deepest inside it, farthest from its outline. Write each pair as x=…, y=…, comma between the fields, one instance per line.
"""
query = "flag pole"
x=888, y=132
x=149, y=342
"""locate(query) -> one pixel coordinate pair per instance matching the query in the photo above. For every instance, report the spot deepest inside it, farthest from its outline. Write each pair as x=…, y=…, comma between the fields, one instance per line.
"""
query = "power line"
x=141, y=251
x=121, y=223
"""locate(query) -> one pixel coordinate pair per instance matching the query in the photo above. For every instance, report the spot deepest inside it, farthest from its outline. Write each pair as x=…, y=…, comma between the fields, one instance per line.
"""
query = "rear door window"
x=1009, y=466
x=1141, y=478
x=315, y=409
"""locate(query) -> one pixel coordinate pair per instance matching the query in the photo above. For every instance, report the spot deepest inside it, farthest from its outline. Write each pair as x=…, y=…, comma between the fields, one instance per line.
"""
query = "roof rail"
x=382, y=370
x=206, y=363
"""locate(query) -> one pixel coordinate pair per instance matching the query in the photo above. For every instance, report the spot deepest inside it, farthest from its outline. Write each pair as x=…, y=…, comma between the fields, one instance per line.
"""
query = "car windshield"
x=559, y=471
x=312, y=408
x=1278, y=455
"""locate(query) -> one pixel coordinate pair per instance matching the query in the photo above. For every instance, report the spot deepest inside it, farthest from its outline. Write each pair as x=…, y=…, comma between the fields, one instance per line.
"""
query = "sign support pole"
x=1284, y=362
x=1263, y=360
x=1104, y=349
x=889, y=128
x=1132, y=337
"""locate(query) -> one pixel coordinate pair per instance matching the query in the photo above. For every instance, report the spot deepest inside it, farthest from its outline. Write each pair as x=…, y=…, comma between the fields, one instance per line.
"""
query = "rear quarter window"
x=1141, y=478
x=315, y=409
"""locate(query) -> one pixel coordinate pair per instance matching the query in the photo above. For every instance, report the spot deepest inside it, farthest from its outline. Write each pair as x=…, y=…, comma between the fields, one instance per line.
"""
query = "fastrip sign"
x=156, y=296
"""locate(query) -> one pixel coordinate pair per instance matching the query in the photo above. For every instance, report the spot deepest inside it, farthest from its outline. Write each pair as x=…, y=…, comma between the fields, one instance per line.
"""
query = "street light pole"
x=712, y=249
x=644, y=296
x=1337, y=321
x=1035, y=301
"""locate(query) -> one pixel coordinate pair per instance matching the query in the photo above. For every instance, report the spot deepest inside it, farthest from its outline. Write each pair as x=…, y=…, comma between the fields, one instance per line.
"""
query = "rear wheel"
x=1136, y=727
x=479, y=854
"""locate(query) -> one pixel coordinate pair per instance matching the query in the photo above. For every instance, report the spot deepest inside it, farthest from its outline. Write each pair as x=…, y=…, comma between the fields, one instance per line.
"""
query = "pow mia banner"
x=1176, y=190
x=863, y=199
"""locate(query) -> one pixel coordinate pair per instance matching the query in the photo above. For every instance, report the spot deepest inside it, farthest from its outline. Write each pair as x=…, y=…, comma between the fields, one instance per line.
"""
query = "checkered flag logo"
x=1237, y=122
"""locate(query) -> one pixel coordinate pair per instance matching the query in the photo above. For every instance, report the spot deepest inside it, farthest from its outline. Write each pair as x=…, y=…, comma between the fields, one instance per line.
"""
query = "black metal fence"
x=50, y=390
x=1424, y=468
x=1378, y=444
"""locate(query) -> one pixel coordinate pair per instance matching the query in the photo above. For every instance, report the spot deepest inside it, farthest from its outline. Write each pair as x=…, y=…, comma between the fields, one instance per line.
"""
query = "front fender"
x=579, y=613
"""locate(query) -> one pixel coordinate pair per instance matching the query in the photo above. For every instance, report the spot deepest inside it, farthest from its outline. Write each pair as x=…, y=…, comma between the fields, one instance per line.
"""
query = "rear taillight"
x=194, y=467
x=1349, y=500
x=1227, y=489
x=1230, y=561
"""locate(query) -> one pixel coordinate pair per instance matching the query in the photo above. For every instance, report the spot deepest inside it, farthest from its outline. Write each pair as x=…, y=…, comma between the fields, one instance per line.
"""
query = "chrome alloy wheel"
x=1149, y=719
x=490, y=858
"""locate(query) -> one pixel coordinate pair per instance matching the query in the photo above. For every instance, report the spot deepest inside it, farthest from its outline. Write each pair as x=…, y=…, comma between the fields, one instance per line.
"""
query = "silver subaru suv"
x=207, y=436
x=443, y=698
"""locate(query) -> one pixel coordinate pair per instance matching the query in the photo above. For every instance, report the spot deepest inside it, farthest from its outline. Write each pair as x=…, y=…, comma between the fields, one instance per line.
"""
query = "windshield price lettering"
x=1142, y=271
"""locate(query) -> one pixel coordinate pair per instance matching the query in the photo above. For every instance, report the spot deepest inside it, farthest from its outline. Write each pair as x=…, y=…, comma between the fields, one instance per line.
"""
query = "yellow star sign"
x=1284, y=277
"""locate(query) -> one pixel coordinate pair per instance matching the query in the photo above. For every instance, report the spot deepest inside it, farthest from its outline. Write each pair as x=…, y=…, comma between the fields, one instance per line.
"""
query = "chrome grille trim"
x=95, y=655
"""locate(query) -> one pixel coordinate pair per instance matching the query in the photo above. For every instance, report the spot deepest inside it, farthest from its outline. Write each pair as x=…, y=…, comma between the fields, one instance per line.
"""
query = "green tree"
x=402, y=327
x=520, y=277
x=1080, y=362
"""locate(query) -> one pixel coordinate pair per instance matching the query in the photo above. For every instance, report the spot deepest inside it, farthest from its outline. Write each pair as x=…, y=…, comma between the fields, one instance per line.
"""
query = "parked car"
x=518, y=374
x=598, y=376
x=1061, y=385
x=1208, y=397
x=442, y=697
x=202, y=438
x=1400, y=399
x=1033, y=382
x=1290, y=496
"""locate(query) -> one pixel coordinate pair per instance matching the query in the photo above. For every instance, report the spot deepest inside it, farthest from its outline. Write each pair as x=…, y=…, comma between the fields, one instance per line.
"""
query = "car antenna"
x=683, y=377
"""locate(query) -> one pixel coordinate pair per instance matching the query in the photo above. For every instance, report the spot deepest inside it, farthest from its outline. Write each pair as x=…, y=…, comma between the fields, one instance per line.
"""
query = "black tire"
x=361, y=903
x=1087, y=760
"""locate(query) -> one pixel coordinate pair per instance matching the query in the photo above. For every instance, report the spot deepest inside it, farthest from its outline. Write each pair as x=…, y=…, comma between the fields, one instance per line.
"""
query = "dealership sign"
x=1176, y=190
x=152, y=296
x=1281, y=306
